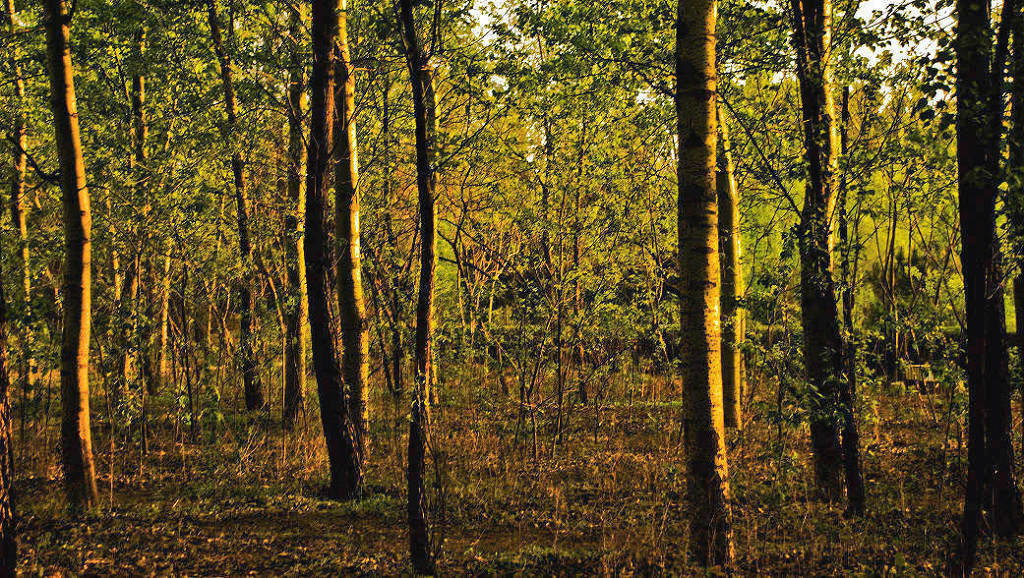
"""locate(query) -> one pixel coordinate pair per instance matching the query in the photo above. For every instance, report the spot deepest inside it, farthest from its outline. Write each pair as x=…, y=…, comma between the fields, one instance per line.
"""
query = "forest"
x=511, y=287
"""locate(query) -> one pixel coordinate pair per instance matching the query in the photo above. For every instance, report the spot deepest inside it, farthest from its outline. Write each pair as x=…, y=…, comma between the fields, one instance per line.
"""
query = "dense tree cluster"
x=776, y=213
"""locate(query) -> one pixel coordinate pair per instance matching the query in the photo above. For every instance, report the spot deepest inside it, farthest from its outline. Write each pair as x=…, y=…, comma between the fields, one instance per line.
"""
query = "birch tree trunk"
x=730, y=248
x=700, y=331
x=19, y=212
x=352, y=305
x=76, y=435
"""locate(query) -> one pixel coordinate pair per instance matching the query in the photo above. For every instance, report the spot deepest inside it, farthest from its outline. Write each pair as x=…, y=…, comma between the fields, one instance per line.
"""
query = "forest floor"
x=246, y=499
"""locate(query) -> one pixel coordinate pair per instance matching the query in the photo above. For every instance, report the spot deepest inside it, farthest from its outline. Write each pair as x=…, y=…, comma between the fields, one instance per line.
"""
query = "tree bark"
x=19, y=212
x=421, y=77
x=76, y=436
x=342, y=447
x=352, y=305
x=848, y=393
x=254, y=398
x=298, y=309
x=823, y=339
x=1015, y=181
x=8, y=529
x=730, y=248
x=700, y=330
x=990, y=477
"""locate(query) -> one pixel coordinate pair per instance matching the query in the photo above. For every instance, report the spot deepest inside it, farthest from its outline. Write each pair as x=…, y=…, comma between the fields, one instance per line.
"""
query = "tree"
x=354, y=337
x=424, y=102
x=979, y=78
x=298, y=310
x=19, y=212
x=254, y=399
x=342, y=441
x=700, y=326
x=76, y=436
x=823, y=340
x=730, y=249
x=8, y=530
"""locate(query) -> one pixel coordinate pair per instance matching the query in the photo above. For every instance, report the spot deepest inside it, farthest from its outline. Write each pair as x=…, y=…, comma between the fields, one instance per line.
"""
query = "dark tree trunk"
x=295, y=353
x=990, y=477
x=823, y=340
x=8, y=530
x=848, y=392
x=342, y=447
x=254, y=398
x=421, y=77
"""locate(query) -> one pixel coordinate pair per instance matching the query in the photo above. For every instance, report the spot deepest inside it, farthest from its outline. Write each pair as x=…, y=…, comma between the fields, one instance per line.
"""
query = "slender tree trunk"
x=1015, y=179
x=295, y=353
x=730, y=248
x=848, y=393
x=160, y=366
x=254, y=398
x=76, y=436
x=342, y=446
x=8, y=529
x=421, y=77
x=700, y=332
x=823, y=339
x=352, y=306
x=395, y=269
x=19, y=212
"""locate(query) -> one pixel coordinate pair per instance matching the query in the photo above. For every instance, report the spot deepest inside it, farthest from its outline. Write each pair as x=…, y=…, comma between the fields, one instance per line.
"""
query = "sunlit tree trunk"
x=342, y=446
x=424, y=101
x=254, y=398
x=19, y=216
x=700, y=331
x=823, y=340
x=730, y=249
x=354, y=335
x=295, y=352
x=76, y=436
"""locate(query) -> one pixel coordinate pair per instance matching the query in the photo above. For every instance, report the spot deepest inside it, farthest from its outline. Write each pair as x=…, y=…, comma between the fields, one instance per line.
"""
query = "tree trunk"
x=76, y=436
x=424, y=100
x=823, y=340
x=342, y=447
x=254, y=398
x=19, y=213
x=730, y=248
x=354, y=336
x=1015, y=181
x=8, y=530
x=848, y=392
x=990, y=477
x=295, y=352
x=700, y=332
x=160, y=367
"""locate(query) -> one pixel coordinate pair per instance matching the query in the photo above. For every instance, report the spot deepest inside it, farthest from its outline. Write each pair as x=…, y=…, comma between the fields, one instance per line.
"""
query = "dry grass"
x=606, y=500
